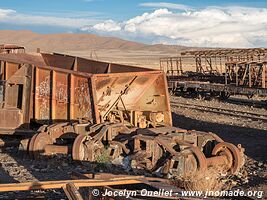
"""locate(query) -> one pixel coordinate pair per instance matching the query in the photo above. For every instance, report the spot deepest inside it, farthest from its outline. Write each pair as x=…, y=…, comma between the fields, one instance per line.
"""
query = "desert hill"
x=92, y=46
x=70, y=42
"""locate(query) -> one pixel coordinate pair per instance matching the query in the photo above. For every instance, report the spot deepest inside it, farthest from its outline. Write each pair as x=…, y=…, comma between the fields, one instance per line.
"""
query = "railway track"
x=247, y=102
x=223, y=111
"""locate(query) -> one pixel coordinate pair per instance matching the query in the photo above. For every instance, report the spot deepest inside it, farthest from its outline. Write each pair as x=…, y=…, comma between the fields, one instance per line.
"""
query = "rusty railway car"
x=220, y=73
x=87, y=108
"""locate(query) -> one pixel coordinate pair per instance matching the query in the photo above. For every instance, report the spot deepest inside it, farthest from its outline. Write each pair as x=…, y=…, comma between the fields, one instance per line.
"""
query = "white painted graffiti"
x=43, y=93
x=82, y=99
x=43, y=90
x=61, y=93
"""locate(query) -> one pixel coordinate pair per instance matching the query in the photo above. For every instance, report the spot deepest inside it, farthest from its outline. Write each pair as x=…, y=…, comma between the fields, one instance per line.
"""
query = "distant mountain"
x=78, y=42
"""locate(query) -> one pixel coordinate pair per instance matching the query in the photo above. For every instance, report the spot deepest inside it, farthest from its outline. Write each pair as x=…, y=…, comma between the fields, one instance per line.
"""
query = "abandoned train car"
x=72, y=105
x=221, y=72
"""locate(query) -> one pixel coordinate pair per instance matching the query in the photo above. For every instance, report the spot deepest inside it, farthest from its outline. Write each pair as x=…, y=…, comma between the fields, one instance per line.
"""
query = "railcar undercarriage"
x=166, y=151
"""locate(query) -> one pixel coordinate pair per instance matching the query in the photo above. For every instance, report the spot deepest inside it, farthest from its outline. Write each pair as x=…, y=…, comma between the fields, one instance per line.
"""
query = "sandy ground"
x=137, y=58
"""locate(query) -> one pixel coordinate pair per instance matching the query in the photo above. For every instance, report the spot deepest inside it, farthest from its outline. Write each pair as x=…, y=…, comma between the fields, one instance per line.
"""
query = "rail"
x=100, y=181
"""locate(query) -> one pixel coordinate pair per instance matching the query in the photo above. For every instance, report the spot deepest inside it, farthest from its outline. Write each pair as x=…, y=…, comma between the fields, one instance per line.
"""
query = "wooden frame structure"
x=210, y=61
x=247, y=74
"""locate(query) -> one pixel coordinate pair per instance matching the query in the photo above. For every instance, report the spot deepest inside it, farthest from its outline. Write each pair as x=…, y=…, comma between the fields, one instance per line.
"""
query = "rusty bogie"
x=181, y=154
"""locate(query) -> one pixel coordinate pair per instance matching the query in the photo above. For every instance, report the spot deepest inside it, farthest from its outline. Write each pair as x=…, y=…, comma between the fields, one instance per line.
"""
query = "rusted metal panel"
x=141, y=91
x=15, y=106
x=60, y=96
x=59, y=61
x=10, y=119
x=80, y=98
x=2, y=70
x=32, y=59
x=10, y=69
x=42, y=94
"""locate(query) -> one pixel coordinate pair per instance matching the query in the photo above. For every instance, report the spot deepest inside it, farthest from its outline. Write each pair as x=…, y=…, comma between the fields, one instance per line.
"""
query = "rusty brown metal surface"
x=89, y=109
x=43, y=185
x=90, y=181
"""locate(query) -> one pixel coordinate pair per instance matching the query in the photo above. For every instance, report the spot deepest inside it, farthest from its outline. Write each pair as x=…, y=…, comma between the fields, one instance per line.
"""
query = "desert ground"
x=236, y=123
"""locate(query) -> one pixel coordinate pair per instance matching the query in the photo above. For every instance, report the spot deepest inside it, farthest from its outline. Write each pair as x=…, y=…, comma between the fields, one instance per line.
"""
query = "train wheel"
x=86, y=149
x=194, y=162
x=199, y=158
x=233, y=154
x=30, y=148
x=82, y=148
x=38, y=143
x=78, y=148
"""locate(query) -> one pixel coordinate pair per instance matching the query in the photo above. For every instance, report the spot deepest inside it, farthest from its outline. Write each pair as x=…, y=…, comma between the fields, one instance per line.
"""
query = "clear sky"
x=185, y=22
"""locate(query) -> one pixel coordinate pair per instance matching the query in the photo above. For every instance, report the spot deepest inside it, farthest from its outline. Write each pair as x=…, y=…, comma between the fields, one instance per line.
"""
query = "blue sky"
x=191, y=22
x=115, y=9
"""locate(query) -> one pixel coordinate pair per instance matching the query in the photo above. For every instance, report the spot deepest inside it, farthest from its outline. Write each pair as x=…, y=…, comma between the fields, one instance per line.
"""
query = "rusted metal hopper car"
x=53, y=88
x=89, y=108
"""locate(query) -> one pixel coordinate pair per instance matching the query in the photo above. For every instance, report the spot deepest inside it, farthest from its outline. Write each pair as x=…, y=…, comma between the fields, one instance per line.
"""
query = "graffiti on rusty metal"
x=43, y=90
x=44, y=109
x=61, y=93
x=43, y=95
x=82, y=98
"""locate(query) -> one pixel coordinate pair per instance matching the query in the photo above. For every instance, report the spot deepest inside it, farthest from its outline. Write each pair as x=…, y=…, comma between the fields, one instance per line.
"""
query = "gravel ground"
x=246, y=129
x=242, y=124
